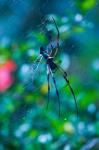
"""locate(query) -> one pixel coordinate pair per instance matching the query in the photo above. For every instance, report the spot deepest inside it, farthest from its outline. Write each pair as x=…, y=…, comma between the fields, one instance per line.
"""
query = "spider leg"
x=64, y=74
x=54, y=81
x=58, y=34
x=56, y=47
x=36, y=63
x=33, y=70
x=48, y=77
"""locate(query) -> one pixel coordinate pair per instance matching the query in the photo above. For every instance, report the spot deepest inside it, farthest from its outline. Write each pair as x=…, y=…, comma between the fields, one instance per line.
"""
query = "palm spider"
x=48, y=54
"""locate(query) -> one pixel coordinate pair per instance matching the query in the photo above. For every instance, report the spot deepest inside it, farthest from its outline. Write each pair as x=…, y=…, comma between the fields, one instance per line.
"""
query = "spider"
x=48, y=55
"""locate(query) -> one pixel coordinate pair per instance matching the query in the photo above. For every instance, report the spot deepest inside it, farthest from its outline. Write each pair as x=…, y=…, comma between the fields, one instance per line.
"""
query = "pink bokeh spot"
x=6, y=78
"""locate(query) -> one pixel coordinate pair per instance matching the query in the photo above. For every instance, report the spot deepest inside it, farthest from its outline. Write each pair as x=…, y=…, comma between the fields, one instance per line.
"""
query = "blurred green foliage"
x=86, y=5
x=24, y=121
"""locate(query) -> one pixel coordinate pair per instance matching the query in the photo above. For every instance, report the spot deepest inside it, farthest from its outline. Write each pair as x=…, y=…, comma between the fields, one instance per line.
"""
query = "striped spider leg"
x=32, y=70
x=36, y=63
x=57, y=92
x=35, y=67
x=50, y=72
x=64, y=74
x=53, y=46
x=48, y=80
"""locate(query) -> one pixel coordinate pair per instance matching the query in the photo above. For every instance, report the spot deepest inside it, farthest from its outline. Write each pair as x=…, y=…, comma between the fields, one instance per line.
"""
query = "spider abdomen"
x=52, y=65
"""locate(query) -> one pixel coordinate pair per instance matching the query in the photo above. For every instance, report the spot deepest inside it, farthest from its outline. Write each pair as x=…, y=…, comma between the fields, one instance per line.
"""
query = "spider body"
x=51, y=63
x=48, y=59
x=48, y=54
